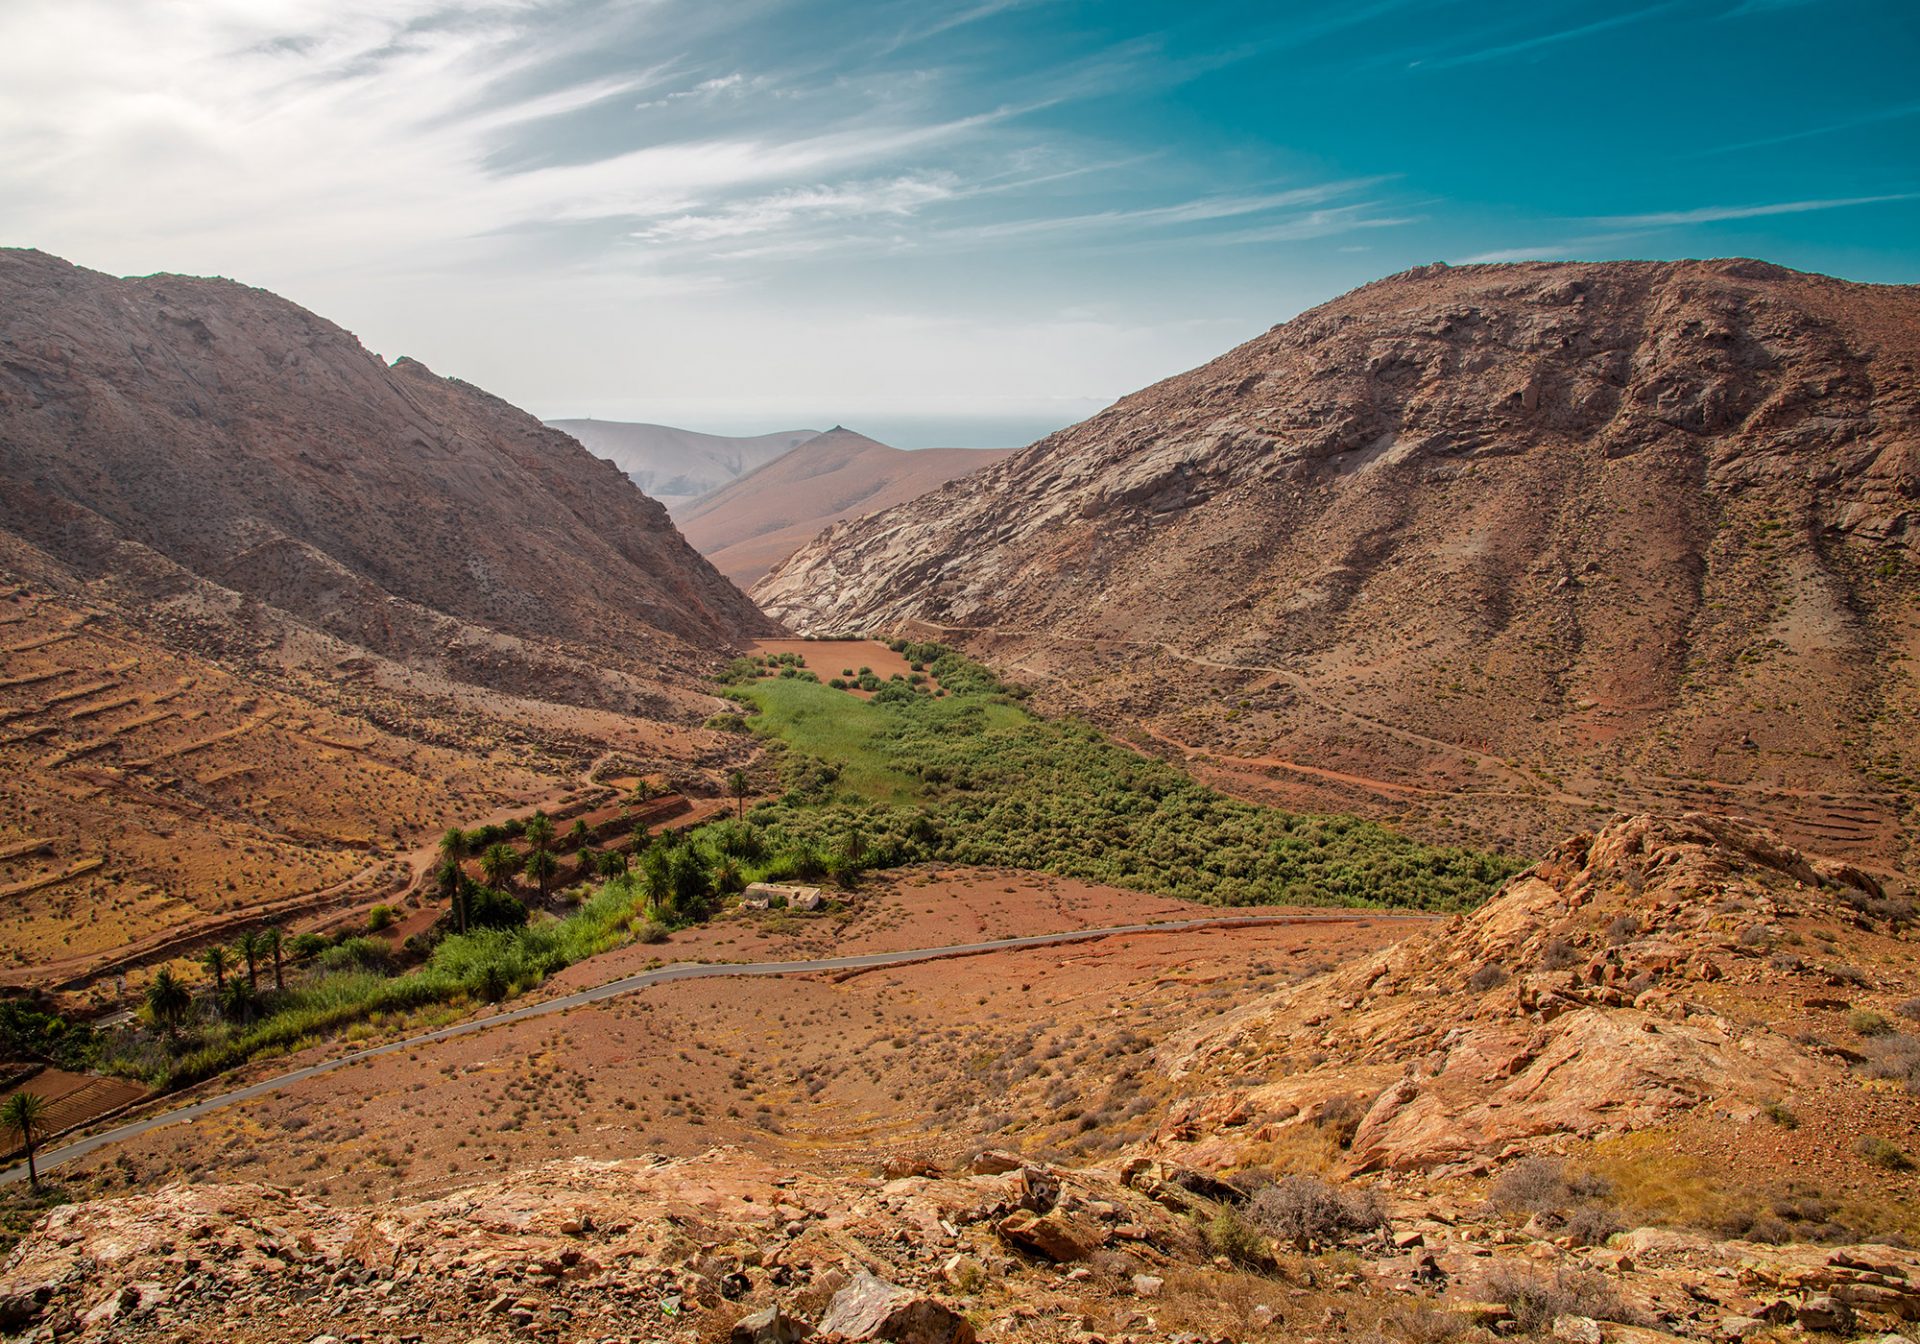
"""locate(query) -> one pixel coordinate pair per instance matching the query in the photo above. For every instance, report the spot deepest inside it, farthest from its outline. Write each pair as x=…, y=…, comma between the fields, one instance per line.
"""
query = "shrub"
x=1542, y=1185
x=1865, y=1022
x=1883, y=1153
x=1909, y=1009
x=650, y=931
x=1536, y=1299
x=1592, y=1224
x=491, y=908
x=1302, y=1210
x=727, y=723
x=1559, y=954
x=1895, y=1055
x=304, y=946
x=381, y=917
x=1490, y=976
x=357, y=954
x=1782, y=1114
x=1623, y=929
x=1231, y=1234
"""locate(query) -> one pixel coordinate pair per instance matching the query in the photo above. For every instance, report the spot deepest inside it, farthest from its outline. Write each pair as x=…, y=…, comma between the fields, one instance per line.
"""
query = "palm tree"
x=642, y=837
x=539, y=830
x=217, y=959
x=578, y=835
x=274, y=942
x=454, y=845
x=451, y=878
x=22, y=1114
x=657, y=873
x=611, y=863
x=498, y=864
x=168, y=1002
x=737, y=786
x=252, y=947
x=541, y=866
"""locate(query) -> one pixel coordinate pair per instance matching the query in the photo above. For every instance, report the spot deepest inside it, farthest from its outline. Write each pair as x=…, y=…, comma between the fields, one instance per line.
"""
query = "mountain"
x=749, y=525
x=274, y=611
x=1490, y=549
x=678, y=465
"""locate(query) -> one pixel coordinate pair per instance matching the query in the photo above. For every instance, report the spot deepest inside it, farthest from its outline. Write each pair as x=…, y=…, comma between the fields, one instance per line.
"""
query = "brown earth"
x=1491, y=550
x=273, y=613
x=753, y=1144
x=830, y=658
x=755, y=521
x=836, y=1070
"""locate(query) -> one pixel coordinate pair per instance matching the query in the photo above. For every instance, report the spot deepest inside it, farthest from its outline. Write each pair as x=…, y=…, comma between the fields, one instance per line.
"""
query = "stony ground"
x=1648, y=1125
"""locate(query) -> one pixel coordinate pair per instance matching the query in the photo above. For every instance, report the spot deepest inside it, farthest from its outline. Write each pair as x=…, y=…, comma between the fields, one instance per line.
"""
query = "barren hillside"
x=753, y=523
x=1494, y=548
x=274, y=611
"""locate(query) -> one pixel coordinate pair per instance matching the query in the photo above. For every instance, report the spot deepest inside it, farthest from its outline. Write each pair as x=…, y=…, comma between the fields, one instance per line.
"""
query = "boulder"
x=770, y=1325
x=1148, y=1285
x=1822, y=1312
x=1051, y=1234
x=1577, y=1330
x=871, y=1308
x=995, y=1162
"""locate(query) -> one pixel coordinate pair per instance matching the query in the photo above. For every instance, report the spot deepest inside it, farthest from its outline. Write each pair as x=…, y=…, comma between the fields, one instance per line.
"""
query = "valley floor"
x=1044, y=1048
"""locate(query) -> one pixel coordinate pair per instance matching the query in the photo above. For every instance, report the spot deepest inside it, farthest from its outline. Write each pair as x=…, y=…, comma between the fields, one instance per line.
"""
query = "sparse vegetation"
x=1305, y=1210
x=1537, y=1297
x=1882, y=1152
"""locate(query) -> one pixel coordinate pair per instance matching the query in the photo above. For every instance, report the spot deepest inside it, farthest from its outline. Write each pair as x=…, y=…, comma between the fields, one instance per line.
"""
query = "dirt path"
x=663, y=975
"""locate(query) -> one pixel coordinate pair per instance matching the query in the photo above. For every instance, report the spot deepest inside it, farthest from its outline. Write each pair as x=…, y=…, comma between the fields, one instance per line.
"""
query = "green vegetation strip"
x=957, y=770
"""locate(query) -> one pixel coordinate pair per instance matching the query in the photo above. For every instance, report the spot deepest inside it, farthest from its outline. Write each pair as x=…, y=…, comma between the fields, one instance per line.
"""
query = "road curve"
x=686, y=970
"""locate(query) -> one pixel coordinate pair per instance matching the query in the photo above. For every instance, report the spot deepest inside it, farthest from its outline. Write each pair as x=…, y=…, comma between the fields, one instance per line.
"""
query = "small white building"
x=767, y=895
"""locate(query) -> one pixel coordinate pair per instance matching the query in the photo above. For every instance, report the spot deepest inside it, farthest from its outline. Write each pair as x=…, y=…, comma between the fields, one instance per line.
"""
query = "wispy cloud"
x=1748, y=8
x=1563, y=249
x=1715, y=214
x=896, y=197
x=1897, y=112
x=1522, y=46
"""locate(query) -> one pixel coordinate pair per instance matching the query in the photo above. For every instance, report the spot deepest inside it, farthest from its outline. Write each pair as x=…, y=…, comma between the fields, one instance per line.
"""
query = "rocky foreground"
x=1661, y=1087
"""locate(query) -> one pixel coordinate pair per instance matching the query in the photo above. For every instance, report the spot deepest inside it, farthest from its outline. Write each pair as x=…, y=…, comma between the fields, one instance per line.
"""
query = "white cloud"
x=1715, y=214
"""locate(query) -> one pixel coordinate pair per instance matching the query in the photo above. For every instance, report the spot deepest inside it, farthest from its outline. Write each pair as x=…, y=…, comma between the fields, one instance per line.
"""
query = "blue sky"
x=959, y=222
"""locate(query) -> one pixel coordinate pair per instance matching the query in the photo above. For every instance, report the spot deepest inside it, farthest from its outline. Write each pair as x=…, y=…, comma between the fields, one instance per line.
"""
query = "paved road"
x=692, y=970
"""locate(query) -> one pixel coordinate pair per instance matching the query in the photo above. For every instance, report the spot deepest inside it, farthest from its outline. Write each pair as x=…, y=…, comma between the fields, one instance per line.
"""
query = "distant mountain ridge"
x=749, y=525
x=673, y=465
x=1495, y=547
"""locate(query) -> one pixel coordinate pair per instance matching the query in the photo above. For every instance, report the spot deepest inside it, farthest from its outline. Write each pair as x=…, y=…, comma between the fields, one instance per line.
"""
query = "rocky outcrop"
x=870, y=1308
x=1630, y=979
x=1638, y=526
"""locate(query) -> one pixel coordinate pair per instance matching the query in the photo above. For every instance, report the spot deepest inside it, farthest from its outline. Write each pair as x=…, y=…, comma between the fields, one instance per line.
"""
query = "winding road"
x=691, y=970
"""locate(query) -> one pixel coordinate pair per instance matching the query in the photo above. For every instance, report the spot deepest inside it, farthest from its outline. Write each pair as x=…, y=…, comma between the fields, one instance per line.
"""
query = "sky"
x=965, y=222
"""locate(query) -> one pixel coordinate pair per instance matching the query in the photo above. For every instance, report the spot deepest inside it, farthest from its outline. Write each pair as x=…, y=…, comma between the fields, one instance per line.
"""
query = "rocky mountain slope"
x=274, y=611
x=1691, y=977
x=754, y=522
x=1493, y=547
x=677, y=466
x=1548, y=1153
